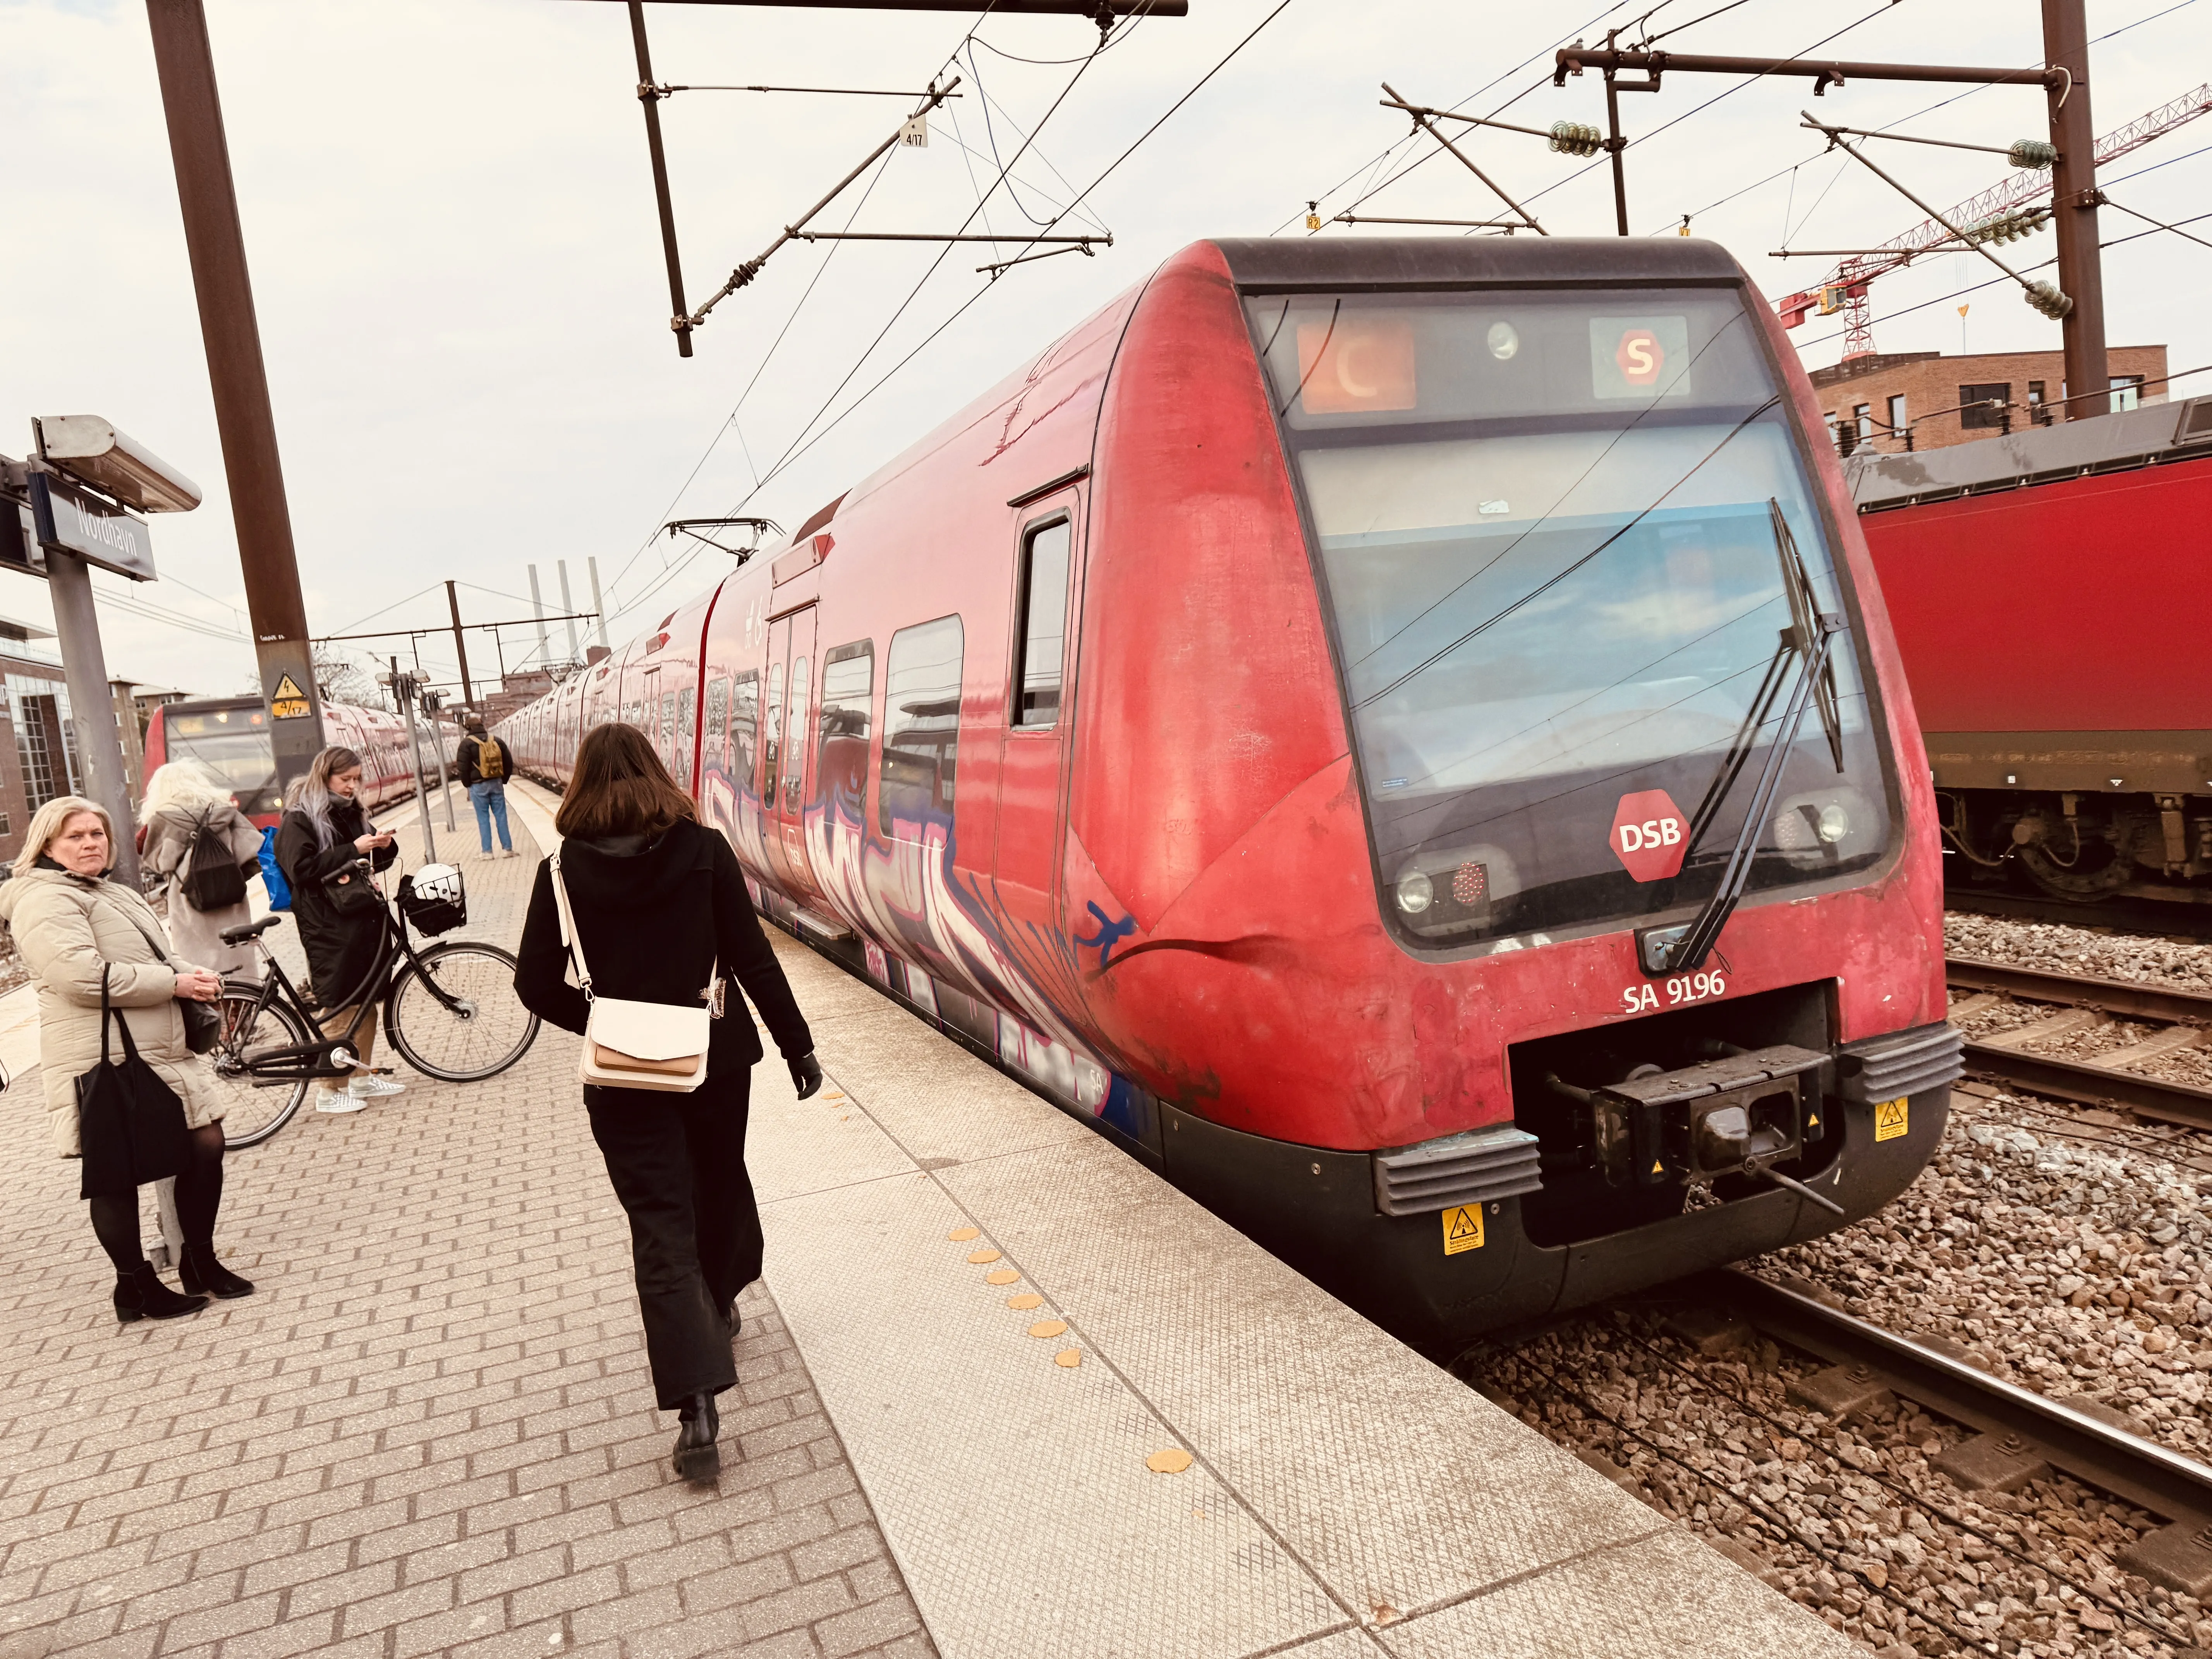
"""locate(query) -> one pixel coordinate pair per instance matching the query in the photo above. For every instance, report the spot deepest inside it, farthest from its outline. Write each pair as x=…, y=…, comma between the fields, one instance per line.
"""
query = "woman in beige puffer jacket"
x=71, y=924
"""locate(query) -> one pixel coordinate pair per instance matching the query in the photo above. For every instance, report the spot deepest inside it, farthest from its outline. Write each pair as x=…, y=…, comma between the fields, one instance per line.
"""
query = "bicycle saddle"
x=247, y=930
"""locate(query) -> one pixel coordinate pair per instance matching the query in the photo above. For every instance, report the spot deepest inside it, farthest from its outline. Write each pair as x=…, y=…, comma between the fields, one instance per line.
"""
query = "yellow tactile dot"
x=1025, y=1301
x=962, y=1235
x=979, y=1257
x=1173, y=1461
x=1000, y=1276
x=1068, y=1358
x=1049, y=1327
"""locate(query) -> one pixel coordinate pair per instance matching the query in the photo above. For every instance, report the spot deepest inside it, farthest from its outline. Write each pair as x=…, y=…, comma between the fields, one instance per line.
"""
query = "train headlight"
x=1415, y=892
x=1504, y=340
x=1835, y=823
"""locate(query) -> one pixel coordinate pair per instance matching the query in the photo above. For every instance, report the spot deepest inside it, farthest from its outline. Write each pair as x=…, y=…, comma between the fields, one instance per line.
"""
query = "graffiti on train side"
x=915, y=910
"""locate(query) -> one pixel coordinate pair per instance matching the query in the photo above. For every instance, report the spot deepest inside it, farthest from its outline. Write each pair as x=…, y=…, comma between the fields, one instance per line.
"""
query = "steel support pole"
x=2073, y=199
x=92, y=703
x=599, y=608
x=568, y=608
x=460, y=644
x=415, y=748
x=649, y=94
x=215, y=241
x=1614, y=145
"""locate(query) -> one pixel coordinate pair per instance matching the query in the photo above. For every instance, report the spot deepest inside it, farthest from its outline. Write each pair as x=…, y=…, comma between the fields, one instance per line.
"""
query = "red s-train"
x=230, y=737
x=1315, y=720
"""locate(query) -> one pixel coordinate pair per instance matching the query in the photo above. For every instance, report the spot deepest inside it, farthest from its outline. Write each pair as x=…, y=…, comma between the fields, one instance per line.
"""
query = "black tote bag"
x=129, y=1125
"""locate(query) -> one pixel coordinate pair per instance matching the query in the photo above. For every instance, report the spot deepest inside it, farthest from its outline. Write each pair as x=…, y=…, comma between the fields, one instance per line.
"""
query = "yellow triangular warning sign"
x=1658, y=1168
x=1891, y=1117
x=287, y=687
x=1462, y=1229
x=288, y=701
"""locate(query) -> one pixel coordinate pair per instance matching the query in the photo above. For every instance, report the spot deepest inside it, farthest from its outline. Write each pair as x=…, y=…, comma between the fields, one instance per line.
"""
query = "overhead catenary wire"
x=805, y=442
x=1103, y=174
x=1929, y=109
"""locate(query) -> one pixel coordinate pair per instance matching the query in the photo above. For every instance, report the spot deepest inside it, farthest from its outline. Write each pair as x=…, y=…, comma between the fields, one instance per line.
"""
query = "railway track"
x=2103, y=1079
x=2025, y=1426
x=2167, y=917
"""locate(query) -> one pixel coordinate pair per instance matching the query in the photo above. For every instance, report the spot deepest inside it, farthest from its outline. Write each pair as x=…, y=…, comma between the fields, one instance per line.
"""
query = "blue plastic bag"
x=280, y=890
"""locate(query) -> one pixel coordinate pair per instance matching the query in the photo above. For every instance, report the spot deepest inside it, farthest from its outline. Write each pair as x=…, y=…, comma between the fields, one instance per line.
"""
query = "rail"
x=2087, y=1082
x=2144, y=1473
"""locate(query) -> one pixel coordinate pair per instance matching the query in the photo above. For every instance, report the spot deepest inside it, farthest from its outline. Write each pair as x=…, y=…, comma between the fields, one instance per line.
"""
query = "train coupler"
x=1743, y=1112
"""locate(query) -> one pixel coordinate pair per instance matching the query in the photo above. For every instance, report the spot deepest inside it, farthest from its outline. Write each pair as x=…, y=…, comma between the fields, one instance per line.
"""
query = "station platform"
x=1002, y=1393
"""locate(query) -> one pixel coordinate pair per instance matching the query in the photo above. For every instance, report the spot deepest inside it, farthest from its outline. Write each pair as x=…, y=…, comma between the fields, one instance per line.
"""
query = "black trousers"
x=678, y=1163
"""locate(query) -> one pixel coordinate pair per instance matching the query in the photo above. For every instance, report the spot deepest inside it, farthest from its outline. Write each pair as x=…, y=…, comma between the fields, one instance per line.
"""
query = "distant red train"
x=229, y=736
x=1401, y=735
x=2050, y=589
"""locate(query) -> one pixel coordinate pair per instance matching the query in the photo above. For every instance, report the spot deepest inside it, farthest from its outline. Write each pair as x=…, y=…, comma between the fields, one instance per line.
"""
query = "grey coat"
x=198, y=934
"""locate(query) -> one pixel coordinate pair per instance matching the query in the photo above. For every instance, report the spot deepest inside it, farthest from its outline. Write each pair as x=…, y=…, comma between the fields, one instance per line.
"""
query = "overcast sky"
x=450, y=220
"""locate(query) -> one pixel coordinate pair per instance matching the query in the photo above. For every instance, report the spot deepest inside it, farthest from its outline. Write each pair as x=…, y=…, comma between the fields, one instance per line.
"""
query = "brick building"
x=1869, y=400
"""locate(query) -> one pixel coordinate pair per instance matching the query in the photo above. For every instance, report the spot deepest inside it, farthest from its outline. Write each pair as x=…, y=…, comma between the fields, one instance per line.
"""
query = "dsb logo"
x=1650, y=834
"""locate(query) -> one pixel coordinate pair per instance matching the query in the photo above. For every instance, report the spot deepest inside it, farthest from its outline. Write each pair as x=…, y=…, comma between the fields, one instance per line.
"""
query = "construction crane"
x=1999, y=212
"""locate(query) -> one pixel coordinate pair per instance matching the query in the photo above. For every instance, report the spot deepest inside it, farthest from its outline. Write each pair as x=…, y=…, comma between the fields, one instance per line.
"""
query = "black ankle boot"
x=140, y=1294
x=697, y=1456
x=199, y=1271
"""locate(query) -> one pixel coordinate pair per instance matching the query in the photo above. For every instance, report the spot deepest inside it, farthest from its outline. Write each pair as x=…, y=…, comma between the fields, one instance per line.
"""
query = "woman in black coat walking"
x=324, y=836
x=660, y=909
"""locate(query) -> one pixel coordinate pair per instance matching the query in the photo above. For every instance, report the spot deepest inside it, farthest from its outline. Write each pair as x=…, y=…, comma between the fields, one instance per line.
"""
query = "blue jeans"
x=490, y=798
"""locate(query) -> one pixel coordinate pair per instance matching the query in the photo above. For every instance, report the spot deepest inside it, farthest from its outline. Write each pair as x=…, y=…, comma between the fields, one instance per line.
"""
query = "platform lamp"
x=87, y=484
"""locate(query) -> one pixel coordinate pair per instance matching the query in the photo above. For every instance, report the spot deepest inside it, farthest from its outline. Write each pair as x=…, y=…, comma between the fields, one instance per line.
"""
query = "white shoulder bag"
x=637, y=1045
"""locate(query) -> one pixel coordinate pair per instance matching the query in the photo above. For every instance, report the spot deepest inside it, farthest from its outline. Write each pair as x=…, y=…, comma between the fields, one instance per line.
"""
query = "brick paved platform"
x=430, y=1431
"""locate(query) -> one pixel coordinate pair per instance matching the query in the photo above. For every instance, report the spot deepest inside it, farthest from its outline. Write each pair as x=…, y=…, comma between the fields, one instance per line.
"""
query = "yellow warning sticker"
x=1463, y=1228
x=1890, y=1118
x=288, y=703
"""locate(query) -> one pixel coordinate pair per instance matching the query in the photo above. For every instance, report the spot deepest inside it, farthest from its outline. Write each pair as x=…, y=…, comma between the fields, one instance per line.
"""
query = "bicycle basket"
x=432, y=901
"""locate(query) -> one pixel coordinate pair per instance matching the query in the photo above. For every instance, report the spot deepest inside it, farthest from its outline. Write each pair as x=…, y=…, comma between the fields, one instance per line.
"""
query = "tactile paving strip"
x=1338, y=1475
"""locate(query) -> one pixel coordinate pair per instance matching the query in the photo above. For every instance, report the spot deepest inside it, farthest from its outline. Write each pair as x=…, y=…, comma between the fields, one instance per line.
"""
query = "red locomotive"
x=2070, y=730
x=1401, y=735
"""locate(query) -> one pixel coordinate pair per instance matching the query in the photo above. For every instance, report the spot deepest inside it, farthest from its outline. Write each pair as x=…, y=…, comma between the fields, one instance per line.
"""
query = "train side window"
x=718, y=715
x=771, y=733
x=848, y=684
x=687, y=710
x=921, y=726
x=1040, y=624
x=744, y=726
x=794, y=748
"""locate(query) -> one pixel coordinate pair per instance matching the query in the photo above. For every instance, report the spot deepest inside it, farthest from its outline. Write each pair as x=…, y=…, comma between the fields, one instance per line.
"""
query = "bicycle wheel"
x=251, y=1111
x=487, y=1032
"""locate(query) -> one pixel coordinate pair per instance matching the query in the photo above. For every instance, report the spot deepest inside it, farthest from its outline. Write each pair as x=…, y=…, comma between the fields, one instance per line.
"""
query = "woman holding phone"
x=321, y=845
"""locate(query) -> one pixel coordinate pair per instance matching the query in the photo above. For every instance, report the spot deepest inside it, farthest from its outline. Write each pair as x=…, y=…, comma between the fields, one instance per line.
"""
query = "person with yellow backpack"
x=486, y=764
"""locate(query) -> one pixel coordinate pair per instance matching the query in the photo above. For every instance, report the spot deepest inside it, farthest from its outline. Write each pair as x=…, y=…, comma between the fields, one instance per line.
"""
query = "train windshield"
x=1561, y=535
x=234, y=746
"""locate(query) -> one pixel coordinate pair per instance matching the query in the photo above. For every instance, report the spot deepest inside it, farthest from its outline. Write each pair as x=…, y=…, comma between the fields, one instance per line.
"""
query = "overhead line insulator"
x=1576, y=138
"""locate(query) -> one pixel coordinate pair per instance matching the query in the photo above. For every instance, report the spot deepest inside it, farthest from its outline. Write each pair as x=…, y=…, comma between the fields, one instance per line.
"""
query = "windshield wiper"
x=1805, y=642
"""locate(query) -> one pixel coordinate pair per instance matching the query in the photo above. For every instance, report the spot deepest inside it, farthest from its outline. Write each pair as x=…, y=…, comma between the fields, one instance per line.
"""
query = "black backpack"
x=213, y=881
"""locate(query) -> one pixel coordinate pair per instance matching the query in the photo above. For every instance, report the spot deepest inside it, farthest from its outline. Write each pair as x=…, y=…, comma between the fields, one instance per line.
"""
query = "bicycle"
x=450, y=1010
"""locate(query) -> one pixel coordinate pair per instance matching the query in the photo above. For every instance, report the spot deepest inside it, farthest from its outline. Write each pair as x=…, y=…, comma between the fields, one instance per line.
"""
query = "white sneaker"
x=337, y=1100
x=369, y=1088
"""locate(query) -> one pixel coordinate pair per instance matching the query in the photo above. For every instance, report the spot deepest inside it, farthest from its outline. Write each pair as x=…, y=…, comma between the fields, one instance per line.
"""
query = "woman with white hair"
x=195, y=839
x=92, y=945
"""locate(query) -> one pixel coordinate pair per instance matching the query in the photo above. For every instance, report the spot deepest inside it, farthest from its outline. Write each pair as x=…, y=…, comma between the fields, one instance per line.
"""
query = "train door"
x=787, y=755
x=1026, y=847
